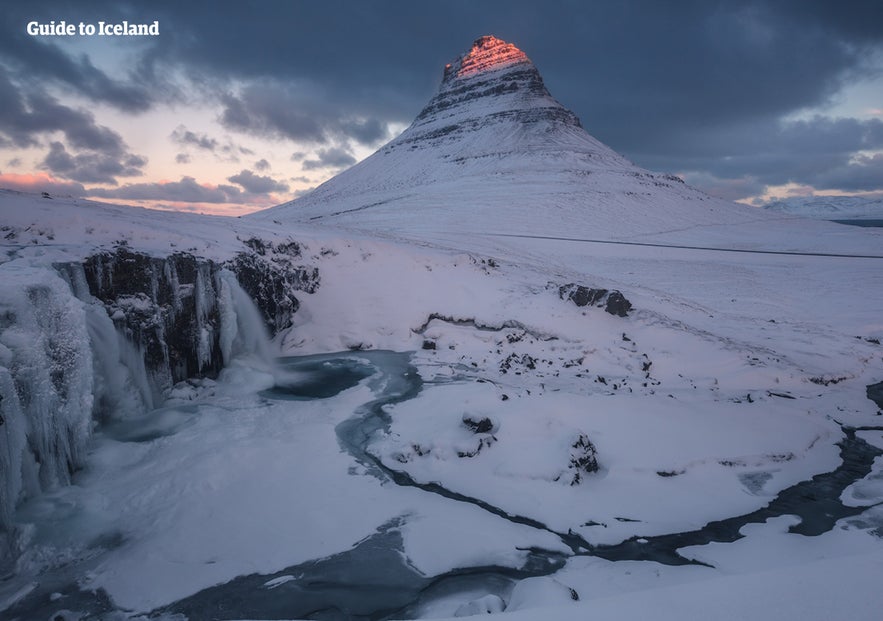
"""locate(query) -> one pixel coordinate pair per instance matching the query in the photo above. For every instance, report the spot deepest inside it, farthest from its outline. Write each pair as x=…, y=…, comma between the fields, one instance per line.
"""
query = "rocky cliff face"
x=494, y=82
x=170, y=308
x=106, y=337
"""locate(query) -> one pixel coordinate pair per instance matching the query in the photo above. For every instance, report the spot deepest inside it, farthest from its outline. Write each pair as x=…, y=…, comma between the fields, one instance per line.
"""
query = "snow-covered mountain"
x=493, y=148
x=830, y=207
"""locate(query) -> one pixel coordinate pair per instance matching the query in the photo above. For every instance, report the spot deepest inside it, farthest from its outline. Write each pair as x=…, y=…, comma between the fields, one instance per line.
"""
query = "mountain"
x=830, y=207
x=495, y=149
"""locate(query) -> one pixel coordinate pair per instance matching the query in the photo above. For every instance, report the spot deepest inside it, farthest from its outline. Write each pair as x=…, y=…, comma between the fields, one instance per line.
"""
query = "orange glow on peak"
x=489, y=53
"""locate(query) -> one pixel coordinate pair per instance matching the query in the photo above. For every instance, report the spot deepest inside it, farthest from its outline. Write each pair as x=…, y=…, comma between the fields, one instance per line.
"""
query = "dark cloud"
x=776, y=153
x=182, y=158
x=262, y=165
x=732, y=189
x=187, y=190
x=24, y=114
x=302, y=113
x=864, y=173
x=185, y=137
x=367, y=132
x=271, y=111
x=14, y=162
x=92, y=167
x=257, y=184
x=41, y=56
x=335, y=157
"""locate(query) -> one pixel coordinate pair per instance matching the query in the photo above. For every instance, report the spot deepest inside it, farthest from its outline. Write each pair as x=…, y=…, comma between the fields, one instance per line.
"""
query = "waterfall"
x=70, y=360
x=243, y=331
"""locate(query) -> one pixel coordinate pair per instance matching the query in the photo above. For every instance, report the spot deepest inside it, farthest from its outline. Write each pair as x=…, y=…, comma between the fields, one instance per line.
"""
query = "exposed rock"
x=583, y=458
x=164, y=306
x=613, y=302
x=167, y=307
x=875, y=394
x=485, y=440
x=478, y=425
x=270, y=276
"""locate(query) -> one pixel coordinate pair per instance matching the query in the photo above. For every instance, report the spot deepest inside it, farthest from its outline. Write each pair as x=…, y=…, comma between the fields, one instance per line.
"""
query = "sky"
x=238, y=106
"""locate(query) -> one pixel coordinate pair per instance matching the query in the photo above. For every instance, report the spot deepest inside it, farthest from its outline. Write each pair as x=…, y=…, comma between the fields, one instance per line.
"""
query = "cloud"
x=41, y=182
x=92, y=167
x=26, y=114
x=301, y=113
x=185, y=137
x=864, y=173
x=186, y=190
x=728, y=189
x=262, y=165
x=770, y=152
x=335, y=157
x=36, y=56
x=270, y=112
x=257, y=184
x=182, y=158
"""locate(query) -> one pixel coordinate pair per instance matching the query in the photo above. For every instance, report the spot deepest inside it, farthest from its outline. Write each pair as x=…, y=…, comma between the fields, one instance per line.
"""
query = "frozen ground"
x=728, y=382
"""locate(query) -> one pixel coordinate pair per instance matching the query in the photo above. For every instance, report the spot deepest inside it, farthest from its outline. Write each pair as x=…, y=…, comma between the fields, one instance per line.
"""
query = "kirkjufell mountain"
x=493, y=148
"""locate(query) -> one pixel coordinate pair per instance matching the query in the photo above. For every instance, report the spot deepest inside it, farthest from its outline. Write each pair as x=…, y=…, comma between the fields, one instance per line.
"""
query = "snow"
x=830, y=207
x=230, y=484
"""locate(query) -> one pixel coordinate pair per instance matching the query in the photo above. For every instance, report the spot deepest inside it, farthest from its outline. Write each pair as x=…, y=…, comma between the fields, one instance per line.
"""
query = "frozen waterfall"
x=68, y=362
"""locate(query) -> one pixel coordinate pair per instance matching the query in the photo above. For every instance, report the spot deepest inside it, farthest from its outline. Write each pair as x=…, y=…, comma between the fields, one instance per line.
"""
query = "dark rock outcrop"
x=613, y=301
x=477, y=424
x=875, y=394
x=583, y=458
x=168, y=307
x=270, y=276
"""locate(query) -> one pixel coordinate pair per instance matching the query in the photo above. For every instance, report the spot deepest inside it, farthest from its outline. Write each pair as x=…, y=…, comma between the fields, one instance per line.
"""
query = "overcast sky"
x=237, y=106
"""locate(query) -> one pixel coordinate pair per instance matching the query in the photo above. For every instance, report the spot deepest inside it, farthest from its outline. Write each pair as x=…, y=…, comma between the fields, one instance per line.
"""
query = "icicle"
x=47, y=381
x=205, y=300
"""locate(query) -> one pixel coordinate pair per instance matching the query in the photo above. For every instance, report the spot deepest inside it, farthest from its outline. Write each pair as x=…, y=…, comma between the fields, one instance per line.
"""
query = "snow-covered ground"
x=693, y=422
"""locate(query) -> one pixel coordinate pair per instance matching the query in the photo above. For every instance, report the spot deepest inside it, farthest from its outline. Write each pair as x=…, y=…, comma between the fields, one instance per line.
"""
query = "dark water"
x=866, y=223
x=319, y=376
x=373, y=580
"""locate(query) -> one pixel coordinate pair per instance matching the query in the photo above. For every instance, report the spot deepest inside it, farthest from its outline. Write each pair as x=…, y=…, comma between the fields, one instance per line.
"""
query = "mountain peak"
x=488, y=53
x=494, y=81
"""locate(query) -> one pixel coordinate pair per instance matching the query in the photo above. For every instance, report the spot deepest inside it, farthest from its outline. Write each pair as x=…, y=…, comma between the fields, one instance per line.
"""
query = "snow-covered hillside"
x=545, y=424
x=830, y=207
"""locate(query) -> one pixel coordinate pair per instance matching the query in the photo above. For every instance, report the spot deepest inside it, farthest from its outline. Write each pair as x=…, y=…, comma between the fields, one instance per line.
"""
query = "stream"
x=374, y=580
